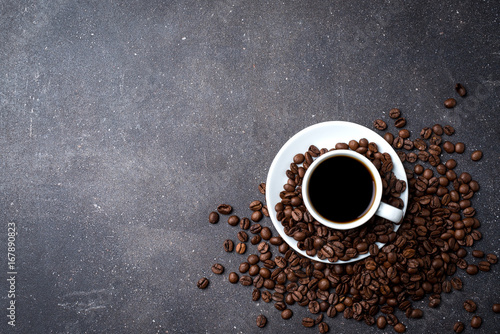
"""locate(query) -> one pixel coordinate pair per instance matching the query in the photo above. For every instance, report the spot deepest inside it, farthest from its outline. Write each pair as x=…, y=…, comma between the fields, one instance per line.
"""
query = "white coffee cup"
x=376, y=206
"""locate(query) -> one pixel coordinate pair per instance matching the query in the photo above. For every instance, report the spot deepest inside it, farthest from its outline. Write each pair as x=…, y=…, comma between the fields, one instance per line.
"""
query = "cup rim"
x=374, y=205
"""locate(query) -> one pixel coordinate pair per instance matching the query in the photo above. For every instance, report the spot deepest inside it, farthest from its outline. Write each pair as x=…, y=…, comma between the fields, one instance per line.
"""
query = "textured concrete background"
x=124, y=123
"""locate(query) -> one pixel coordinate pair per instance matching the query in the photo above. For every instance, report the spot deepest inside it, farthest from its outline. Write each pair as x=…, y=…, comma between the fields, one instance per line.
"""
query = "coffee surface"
x=341, y=189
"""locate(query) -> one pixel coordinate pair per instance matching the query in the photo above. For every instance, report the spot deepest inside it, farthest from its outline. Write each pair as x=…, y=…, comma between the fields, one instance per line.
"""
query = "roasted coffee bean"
x=241, y=248
x=456, y=283
x=224, y=209
x=233, y=220
x=492, y=258
x=470, y=306
x=449, y=147
x=460, y=89
x=476, y=321
x=233, y=278
x=434, y=301
x=253, y=270
x=459, y=327
x=419, y=144
x=400, y=122
x=472, y=269
x=218, y=269
x=244, y=223
x=213, y=217
x=484, y=266
x=202, y=283
x=394, y=113
x=255, y=228
x=398, y=142
x=389, y=137
x=478, y=253
x=323, y=327
x=496, y=308
x=228, y=245
x=263, y=247
x=399, y=328
x=286, y=314
x=261, y=321
x=262, y=188
x=256, y=294
x=298, y=158
x=265, y=211
x=404, y=133
x=256, y=239
x=308, y=322
x=256, y=216
x=450, y=103
x=381, y=322
x=242, y=236
x=449, y=130
x=244, y=267
x=379, y=124
x=266, y=233
x=459, y=147
x=313, y=307
x=255, y=205
x=476, y=155
x=246, y=280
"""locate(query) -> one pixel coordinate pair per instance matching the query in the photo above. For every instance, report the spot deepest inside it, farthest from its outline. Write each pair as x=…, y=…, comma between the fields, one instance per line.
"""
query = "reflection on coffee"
x=341, y=189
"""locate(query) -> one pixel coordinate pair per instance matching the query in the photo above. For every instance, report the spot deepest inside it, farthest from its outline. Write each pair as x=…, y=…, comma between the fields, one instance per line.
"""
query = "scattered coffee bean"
x=228, y=245
x=233, y=220
x=323, y=327
x=242, y=236
x=459, y=327
x=241, y=248
x=476, y=155
x=262, y=188
x=266, y=233
x=459, y=148
x=460, y=89
x=449, y=130
x=213, y=217
x=308, y=322
x=484, y=266
x=246, y=280
x=476, y=321
x=394, y=113
x=261, y=321
x=225, y=209
x=496, y=308
x=218, y=269
x=255, y=205
x=286, y=314
x=470, y=306
x=400, y=122
x=380, y=124
x=449, y=147
x=450, y=103
x=233, y=278
x=472, y=269
x=492, y=258
x=256, y=216
x=202, y=283
x=400, y=328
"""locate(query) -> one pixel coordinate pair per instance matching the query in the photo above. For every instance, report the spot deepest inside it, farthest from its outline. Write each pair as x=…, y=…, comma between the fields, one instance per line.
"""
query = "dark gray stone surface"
x=124, y=123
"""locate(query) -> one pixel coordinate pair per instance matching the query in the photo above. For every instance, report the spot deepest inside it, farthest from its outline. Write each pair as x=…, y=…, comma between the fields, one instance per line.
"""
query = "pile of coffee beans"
x=418, y=261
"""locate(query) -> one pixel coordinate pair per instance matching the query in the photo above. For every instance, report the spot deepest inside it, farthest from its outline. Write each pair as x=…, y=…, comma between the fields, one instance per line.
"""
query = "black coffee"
x=341, y=189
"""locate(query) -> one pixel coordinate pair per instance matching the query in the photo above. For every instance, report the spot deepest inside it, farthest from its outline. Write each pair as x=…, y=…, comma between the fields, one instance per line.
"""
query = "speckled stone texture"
x=124, y=123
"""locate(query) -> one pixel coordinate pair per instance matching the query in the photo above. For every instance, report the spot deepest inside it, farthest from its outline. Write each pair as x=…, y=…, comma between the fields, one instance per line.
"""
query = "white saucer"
x=323, y=135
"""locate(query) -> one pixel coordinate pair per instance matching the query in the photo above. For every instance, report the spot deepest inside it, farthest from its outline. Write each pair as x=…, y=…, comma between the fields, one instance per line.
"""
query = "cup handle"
x=389, y=212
